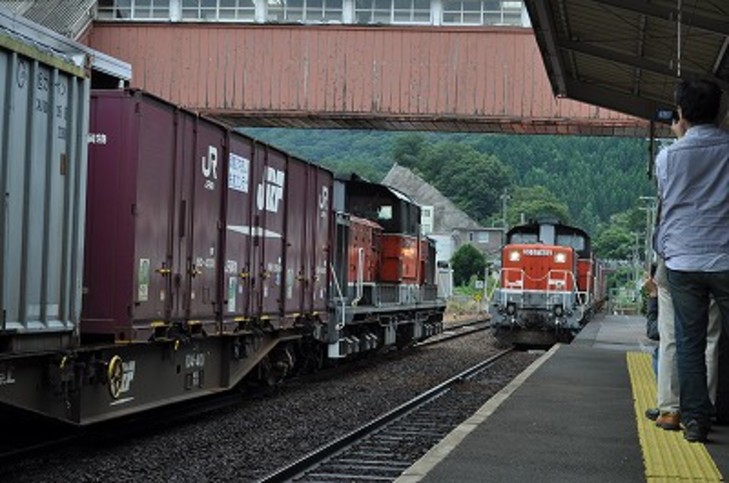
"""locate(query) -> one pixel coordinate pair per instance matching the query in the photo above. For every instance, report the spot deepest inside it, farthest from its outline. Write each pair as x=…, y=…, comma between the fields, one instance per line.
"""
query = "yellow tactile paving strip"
x=667, y=456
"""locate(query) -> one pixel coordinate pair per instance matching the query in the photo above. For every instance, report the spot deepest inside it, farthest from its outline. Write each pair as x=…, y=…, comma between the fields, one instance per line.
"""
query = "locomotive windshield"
x=575, y=241
x=524, y=238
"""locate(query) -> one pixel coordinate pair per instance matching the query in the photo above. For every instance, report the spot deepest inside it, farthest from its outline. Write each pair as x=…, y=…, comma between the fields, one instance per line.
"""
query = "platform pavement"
x=572, y=416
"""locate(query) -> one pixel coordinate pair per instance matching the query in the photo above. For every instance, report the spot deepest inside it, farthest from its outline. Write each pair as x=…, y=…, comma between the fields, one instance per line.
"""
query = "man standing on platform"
x=693, y=238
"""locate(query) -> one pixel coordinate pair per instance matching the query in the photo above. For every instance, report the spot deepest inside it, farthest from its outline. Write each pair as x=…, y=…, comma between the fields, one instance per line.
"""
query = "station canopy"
x=627, y=55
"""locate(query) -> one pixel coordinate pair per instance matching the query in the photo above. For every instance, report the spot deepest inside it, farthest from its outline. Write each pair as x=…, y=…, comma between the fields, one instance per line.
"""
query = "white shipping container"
x=43, y=129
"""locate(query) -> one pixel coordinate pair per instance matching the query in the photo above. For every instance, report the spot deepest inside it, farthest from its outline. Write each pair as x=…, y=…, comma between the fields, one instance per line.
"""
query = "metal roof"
x=42, y=36
x=67, y=17
x=627, y=55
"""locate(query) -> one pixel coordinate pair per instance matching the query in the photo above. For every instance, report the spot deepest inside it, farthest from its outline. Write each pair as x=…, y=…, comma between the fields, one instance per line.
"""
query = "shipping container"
x=43, y=126
x=320, y=229
x=196, y=228
x=292, y=237
x=269, y=235
x=155, y=207
x=238, y=272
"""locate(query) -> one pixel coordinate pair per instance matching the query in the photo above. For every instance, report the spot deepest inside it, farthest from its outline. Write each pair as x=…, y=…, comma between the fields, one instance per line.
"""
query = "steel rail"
x=456, y=331
x=301, y=466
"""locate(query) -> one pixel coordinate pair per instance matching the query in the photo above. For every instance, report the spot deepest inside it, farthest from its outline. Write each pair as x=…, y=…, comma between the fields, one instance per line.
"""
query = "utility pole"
x=504, y=198
x=636, y=257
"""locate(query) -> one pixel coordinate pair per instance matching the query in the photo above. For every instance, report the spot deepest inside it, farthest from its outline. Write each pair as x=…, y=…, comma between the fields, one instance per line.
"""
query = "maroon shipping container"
x=154, y=209
x=290, y=233
x=321, y=235
x=239, y=273
x=195, y=226
x=267, y=258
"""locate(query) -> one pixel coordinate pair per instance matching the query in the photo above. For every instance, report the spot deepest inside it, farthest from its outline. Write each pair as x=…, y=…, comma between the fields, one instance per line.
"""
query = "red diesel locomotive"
x=549, y=284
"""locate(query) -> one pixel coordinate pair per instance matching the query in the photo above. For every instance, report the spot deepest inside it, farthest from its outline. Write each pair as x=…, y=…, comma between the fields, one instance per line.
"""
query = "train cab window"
x=575, y=241
x=524, y=238
x=385, y=212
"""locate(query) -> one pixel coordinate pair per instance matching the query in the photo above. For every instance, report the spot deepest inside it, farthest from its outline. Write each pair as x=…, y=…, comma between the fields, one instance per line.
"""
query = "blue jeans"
x=691, y=293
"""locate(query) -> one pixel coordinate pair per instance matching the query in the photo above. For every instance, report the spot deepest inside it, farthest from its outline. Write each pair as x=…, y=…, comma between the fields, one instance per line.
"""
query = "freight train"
x=150, y=255
x=549, y=284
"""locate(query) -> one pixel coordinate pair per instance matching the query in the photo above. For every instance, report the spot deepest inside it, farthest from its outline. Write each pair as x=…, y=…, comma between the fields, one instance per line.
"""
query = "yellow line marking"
x=667, y=456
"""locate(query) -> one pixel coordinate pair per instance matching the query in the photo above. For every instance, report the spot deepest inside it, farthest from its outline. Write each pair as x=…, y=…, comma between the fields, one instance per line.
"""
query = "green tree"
x=407, y=149
x=614, y=242
x=466, y=262
x=472, y=180
x=617, y=239
x=596, y=177
x=535, y=202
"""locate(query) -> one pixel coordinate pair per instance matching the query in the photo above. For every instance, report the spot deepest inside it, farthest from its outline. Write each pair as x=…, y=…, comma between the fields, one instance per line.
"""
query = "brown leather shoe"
x=669, y=420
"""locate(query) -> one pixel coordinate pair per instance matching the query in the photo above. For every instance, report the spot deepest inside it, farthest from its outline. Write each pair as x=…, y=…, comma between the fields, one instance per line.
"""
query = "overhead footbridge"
x=354, y=77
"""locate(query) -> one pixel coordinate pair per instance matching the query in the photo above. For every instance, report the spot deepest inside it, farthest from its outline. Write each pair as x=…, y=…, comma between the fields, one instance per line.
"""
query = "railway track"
x=383, y=448
x=457, y=330
x=37, y=442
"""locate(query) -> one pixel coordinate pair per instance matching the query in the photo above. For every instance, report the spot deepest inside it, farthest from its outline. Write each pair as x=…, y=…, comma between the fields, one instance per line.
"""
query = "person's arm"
x=679, y=127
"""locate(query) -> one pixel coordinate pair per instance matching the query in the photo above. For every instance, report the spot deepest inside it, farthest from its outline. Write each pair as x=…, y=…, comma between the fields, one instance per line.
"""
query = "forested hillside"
x=587, y=180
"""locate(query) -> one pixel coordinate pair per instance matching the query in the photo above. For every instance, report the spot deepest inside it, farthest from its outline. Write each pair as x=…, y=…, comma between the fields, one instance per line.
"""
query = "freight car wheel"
x=115, y=374
x=277, y=365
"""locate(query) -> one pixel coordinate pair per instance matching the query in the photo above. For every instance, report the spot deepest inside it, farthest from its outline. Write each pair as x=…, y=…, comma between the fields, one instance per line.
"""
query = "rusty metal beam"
x=503, y=125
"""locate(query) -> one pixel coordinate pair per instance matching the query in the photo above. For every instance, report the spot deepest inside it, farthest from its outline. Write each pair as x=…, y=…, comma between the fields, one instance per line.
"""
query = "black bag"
x=651, y=325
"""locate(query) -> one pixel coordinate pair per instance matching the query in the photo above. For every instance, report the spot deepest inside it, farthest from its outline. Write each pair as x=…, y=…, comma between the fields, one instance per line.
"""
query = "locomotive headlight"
x=514, y=256
x=511, y=309
x=560, y=258
x=558, y=310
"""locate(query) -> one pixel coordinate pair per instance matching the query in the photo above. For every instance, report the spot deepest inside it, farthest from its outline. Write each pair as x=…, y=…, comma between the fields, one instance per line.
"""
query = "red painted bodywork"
x=400, y=261
x=537, y=269
x=365, y=235
x=586, y=275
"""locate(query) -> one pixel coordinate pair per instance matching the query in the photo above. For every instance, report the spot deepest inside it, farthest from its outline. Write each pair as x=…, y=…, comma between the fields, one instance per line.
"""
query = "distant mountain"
x=596, y=177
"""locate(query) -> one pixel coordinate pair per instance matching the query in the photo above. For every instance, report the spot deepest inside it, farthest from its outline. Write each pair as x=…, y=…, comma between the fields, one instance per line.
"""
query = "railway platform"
x=576, y=415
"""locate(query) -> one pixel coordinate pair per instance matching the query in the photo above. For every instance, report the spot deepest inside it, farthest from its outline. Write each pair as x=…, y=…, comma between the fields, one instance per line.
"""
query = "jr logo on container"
x=324, y=202
x=270, y=191
x=210, y=168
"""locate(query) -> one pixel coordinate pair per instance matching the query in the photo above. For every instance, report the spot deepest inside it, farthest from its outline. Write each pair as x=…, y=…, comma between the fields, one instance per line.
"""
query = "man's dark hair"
x=699, y=100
